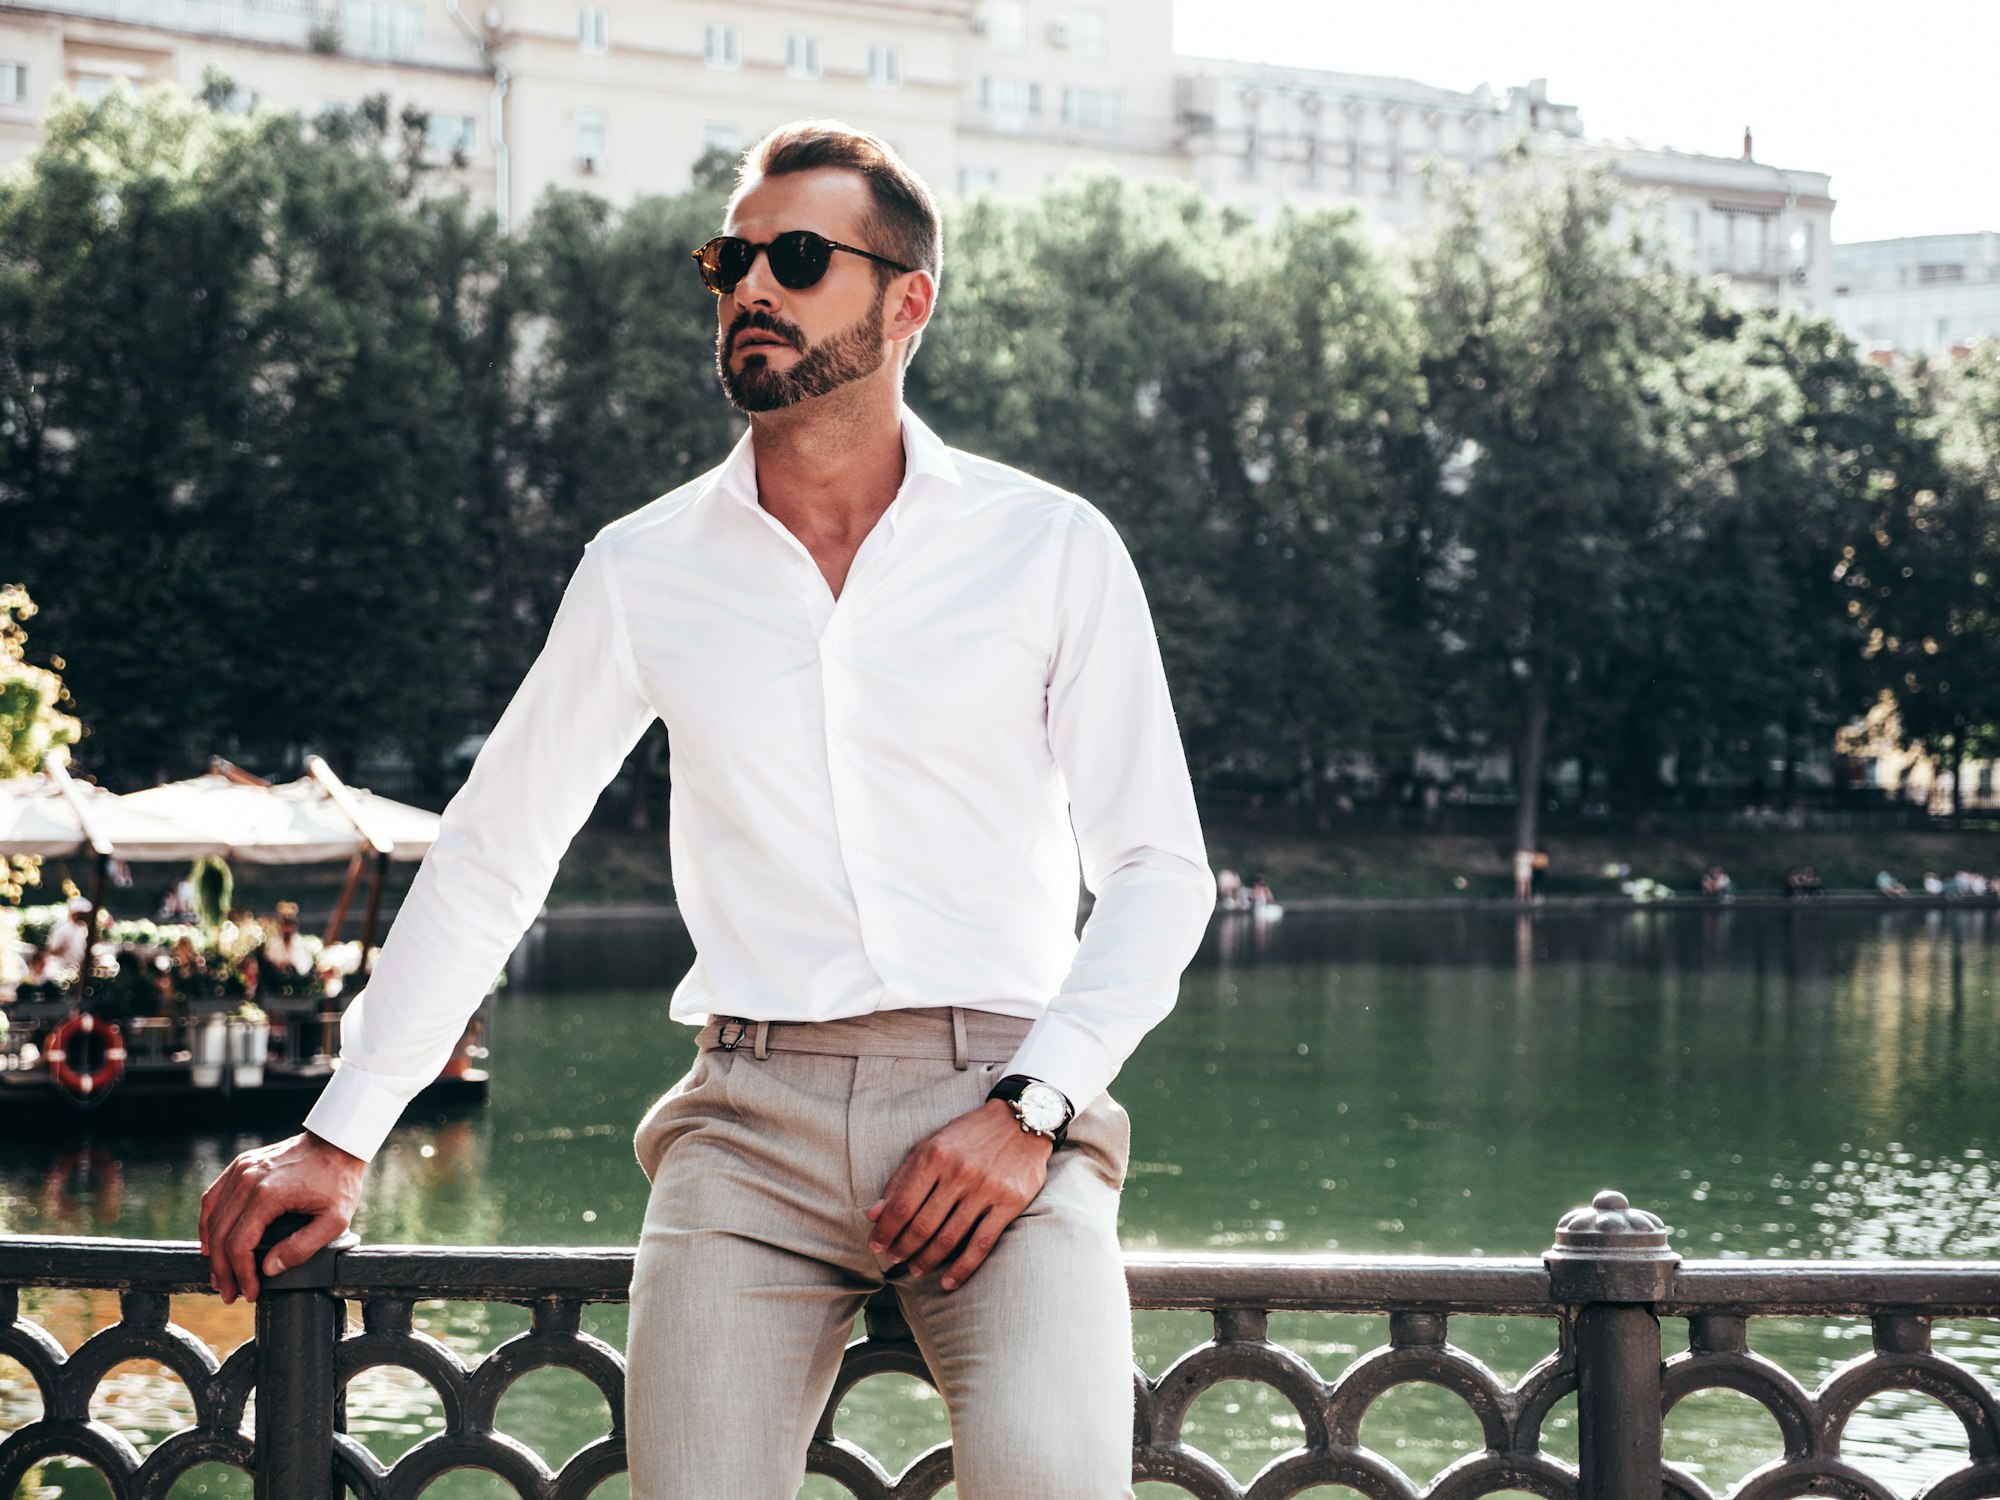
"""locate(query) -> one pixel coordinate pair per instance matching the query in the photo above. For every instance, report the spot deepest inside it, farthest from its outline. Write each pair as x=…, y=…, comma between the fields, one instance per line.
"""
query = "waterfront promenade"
x=1602, y=1292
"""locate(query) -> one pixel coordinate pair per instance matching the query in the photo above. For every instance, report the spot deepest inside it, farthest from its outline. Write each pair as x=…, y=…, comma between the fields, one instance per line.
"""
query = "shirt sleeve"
x=571, y=723
x=1112, y=731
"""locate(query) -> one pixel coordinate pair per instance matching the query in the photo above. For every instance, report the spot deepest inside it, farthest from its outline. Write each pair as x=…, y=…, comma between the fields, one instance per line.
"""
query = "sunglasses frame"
x=701, y=259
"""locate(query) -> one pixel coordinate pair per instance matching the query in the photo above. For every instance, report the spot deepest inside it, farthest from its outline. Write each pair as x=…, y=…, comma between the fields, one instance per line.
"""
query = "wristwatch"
x=1042, y=1108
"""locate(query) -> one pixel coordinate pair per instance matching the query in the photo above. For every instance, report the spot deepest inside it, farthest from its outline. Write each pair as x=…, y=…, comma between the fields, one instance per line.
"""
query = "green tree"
x=1550, y=343
x=1923, y=579
x=243, y=376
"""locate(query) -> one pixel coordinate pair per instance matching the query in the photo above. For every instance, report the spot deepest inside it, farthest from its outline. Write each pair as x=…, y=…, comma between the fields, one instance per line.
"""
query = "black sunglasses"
x=798, y=259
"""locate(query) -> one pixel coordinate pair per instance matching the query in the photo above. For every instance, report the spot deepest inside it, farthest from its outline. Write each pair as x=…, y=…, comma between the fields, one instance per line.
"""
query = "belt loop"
x=961, y=1054
x=763, y=1040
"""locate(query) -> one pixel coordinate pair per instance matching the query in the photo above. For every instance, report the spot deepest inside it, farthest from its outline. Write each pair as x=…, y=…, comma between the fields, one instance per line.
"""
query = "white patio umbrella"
x=39, y=815
x=312, y=820
x=290, y=823
x=54, y=815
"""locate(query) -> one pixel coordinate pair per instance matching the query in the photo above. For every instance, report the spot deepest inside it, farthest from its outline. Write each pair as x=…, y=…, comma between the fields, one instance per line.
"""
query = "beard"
x=834, y=361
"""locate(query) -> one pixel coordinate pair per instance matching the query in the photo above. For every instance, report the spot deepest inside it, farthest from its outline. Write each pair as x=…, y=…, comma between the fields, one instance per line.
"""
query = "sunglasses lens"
x=799, y=259
x=723, y=261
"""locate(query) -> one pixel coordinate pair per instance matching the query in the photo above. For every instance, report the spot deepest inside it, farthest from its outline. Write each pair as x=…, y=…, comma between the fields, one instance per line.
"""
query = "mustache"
x=763, y=322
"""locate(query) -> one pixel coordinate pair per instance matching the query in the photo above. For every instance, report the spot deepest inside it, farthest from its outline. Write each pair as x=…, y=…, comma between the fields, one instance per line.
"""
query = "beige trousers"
x=754, y=1263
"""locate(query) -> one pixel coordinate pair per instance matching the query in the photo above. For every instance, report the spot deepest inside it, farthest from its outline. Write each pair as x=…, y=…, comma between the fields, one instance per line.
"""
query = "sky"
x=1896, y=101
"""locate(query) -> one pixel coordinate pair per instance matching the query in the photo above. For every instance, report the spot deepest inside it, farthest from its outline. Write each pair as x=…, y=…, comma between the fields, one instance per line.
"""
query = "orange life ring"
x=97, y=1078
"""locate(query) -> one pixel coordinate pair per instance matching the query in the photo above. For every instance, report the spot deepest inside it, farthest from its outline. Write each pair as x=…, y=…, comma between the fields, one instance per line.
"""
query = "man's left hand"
x=962, y=1186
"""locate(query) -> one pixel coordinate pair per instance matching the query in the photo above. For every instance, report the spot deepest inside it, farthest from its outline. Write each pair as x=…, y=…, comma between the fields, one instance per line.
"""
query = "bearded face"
x=759, y=376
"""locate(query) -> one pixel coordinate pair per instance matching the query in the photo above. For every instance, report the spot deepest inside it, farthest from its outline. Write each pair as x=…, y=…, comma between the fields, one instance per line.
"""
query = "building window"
x=449, y=134
x=1010, y=101
x=802, y=55
x=590, y=29
x=94, y=86
x=374, y=28
x=975, y=180
x=719, y=137
x=1691, y=228
x=1007, y=23
x=885, y=66
x=1092, y=109
x=13, y=83
x=1090, y=30
x=238, y=101
x=1802, y=245
x=721, y=47
x=590, y=135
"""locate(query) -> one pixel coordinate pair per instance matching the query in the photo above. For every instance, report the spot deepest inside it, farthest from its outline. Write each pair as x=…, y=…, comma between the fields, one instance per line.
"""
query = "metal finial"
x=1612, y=1226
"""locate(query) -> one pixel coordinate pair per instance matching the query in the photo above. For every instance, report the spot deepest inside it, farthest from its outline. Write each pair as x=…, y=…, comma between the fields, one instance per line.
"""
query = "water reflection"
x=1774, y=1083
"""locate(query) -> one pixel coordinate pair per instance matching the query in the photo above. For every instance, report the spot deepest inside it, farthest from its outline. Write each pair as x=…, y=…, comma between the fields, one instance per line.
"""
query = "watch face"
x=1042, y=1108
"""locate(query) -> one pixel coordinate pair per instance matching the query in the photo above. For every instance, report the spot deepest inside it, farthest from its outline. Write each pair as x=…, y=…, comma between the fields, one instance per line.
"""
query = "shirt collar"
x=925, y=459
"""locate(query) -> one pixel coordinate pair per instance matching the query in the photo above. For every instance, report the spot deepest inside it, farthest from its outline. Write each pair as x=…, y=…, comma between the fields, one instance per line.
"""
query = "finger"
x=978, y=1246
x=207, y=1208
x=925, y=1222
x=297, y=1249
x=902, y=1207
x=220, y=1218
x=243, y=1237
x=894, y=1185
x=950, y=1235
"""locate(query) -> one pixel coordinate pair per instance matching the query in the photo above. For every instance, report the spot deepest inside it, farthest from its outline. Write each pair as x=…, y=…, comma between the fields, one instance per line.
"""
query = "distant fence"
x=1604, y=1287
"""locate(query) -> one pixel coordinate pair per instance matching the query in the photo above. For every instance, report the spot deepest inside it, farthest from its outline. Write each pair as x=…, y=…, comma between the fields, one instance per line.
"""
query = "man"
x=285, y=951
x=61, y=956
x=906, y=688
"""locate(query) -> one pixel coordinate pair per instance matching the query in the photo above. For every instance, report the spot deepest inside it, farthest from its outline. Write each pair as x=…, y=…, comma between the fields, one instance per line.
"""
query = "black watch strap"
x=1014, y=1085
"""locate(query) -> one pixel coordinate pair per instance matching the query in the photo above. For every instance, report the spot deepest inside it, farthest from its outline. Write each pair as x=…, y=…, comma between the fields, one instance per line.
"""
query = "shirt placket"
x=843, y=708
x=832, y=623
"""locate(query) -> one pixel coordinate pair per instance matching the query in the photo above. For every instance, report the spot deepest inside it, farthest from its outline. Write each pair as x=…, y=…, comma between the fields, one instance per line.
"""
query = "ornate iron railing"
x=1605, y=1286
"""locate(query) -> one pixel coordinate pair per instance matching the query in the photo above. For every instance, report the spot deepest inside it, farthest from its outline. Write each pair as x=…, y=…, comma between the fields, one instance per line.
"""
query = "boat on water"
x=229, y=1018
x=189, y=1061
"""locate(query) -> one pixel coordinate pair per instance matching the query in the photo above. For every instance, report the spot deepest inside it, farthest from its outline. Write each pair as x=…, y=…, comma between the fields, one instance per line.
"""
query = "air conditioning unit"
x=1058, y=33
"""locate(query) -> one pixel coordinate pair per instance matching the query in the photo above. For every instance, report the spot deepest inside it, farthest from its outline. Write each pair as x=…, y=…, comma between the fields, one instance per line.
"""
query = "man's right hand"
x=302, y=1175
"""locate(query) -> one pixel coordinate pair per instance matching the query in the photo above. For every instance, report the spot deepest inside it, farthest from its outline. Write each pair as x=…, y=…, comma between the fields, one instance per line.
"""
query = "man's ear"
x=913, y=297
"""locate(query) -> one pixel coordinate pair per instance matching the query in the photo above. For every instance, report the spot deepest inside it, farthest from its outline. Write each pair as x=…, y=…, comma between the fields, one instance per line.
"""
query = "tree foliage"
x=296, y=449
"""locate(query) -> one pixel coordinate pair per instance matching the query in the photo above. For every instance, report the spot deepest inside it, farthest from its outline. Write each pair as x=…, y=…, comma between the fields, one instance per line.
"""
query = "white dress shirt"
x=877, y=802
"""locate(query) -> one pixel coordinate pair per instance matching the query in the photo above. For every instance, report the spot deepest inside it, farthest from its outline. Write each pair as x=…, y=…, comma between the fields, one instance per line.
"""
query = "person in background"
x=285, y=949
x=61, y=955
x=1260, y=893
x=1888, y=885
x=1715, y=883
x=1933, y=884
x=178, y=903
x=1229, y=890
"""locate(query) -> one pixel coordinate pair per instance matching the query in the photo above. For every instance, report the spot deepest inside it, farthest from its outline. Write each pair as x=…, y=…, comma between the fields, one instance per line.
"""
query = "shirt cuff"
x=1066, y=1056
x=357, y=1109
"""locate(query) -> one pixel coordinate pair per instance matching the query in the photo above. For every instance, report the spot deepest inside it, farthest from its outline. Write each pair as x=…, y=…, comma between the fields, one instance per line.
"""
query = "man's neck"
x=828, y=468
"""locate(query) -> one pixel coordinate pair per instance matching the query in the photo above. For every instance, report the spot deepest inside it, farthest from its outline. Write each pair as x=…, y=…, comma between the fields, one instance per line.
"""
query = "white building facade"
x=1928, y=294
x=623, y=97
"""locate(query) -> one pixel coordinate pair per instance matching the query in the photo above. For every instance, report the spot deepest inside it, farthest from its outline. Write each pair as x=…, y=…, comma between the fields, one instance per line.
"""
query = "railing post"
x=298, y=1334
x=1611, y=1263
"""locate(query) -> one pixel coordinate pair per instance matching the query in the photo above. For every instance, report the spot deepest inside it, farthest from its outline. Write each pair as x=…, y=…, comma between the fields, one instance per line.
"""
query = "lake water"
x=1811, y=1084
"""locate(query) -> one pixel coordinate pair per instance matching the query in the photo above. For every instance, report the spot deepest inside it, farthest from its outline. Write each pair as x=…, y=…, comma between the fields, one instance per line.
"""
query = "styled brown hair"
x=904, y=223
